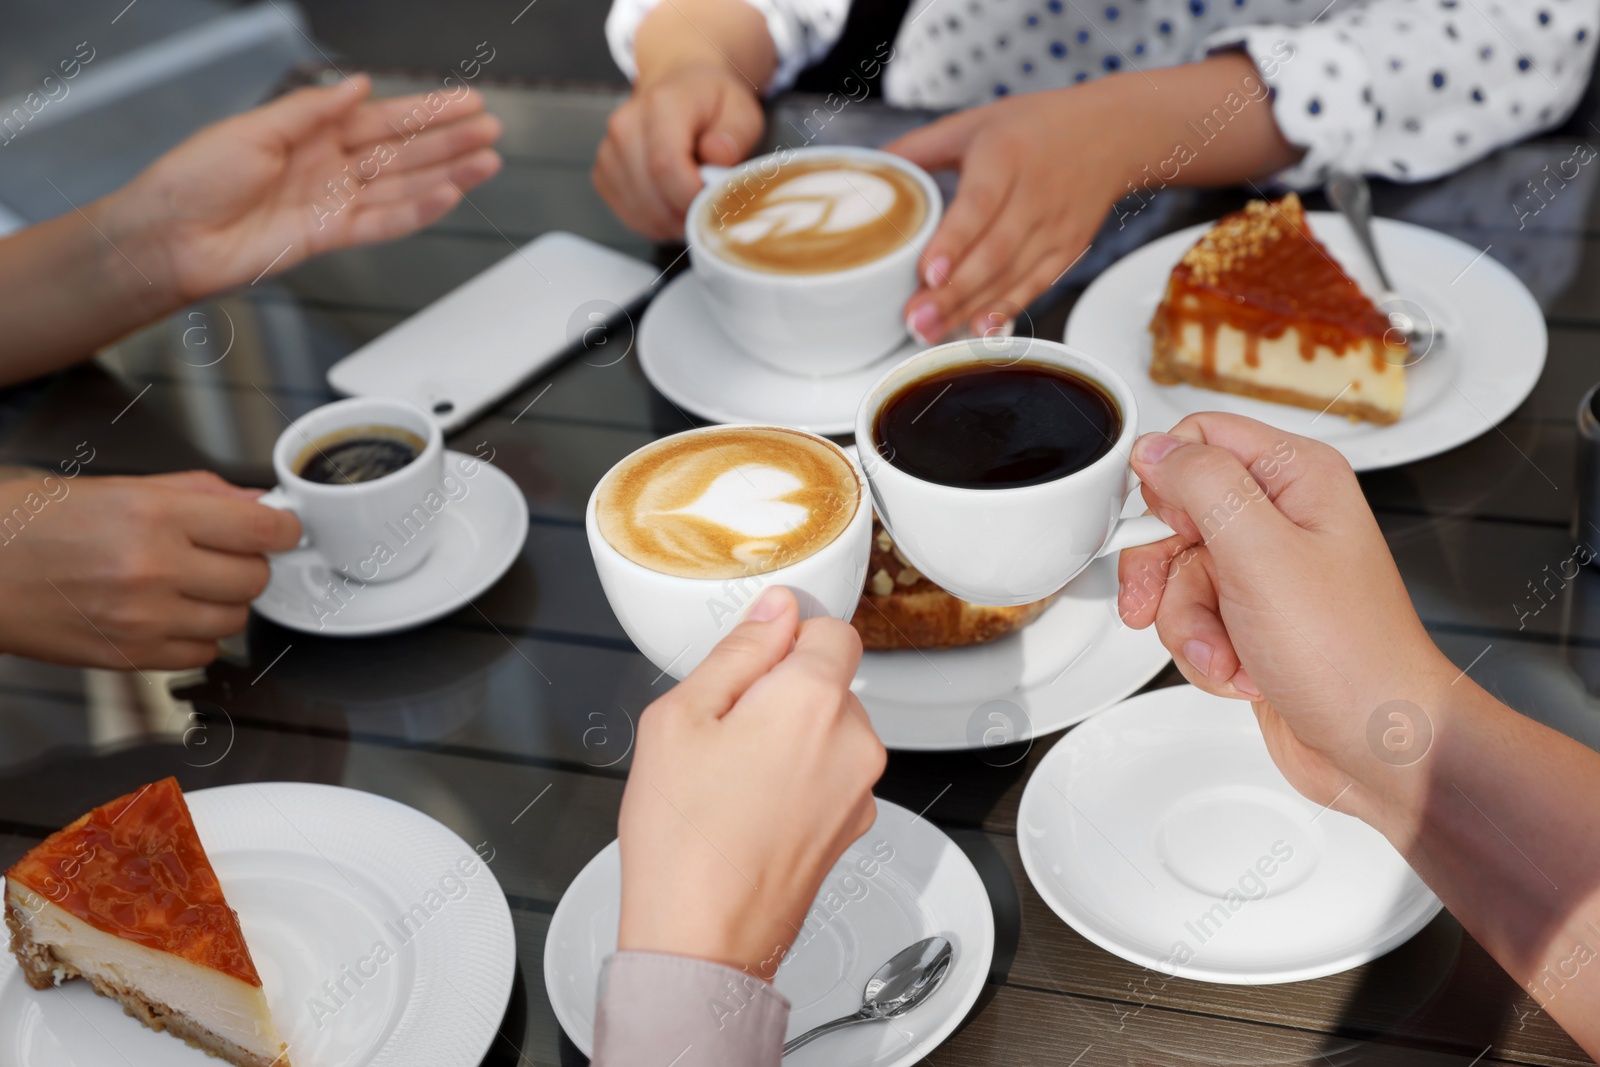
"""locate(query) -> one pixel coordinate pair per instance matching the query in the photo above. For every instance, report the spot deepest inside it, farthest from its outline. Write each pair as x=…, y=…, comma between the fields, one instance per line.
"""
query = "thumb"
x=755, y=646
x=732, y=131
x=1205, y=493
x=939, y=145
x=293, y=116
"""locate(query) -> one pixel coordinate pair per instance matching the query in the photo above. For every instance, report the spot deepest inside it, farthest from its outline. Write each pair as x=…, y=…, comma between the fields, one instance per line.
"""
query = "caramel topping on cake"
x=1261, y=270
x=134, y=868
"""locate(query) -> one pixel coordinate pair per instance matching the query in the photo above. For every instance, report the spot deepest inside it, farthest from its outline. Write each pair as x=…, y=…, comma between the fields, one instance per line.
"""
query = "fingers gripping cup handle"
x=278, y=500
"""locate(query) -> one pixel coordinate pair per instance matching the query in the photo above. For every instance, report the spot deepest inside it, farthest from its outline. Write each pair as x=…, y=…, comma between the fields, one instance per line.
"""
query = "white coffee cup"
x=374, y=531
x=810, y=324
x=1015, y=545
x=675, y=621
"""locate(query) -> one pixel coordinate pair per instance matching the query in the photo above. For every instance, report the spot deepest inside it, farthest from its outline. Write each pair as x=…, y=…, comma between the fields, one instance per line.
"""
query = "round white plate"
x=1488, y=364
x=1072, y=661
x=921, y=885
x=320, y=877
x=1161, y=831
x=695, y=365
x=480, y=536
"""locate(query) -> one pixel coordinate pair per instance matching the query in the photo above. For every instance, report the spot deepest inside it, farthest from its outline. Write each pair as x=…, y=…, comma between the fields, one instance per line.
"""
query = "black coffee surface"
x=353, y=459
x=978, y=426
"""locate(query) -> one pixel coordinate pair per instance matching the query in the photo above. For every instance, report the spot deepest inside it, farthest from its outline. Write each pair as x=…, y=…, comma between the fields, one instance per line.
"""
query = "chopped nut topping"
x=880, y=583
x=884, y=544
x=908, y=576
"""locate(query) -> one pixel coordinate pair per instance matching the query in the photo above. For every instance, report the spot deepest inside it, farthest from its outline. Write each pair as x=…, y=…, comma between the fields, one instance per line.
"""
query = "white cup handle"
x=279, y=500
x=1134, y=531
x=712, y=175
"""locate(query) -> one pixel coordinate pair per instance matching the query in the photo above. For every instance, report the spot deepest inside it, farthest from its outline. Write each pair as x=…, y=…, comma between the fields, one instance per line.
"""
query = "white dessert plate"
x=1492, y=356
x=480, y=536
x=920, y=885
x=1073, y=660
x=1161, y=831
x=688, y=358
x=320, y=877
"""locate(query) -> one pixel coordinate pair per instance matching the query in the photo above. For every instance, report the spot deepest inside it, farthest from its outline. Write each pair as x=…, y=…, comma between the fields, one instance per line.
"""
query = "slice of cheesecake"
x=126, y=898
x=1259, y=308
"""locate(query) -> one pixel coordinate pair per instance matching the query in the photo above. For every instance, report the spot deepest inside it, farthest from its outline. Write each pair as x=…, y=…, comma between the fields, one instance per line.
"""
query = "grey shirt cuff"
x=657, y=1009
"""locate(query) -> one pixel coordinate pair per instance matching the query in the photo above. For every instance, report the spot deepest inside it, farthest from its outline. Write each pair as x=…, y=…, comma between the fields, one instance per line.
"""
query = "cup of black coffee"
x=364, y=477
x=1000, y=465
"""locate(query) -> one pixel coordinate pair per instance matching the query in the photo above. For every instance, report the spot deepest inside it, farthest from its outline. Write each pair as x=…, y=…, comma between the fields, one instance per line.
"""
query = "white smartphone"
x=478, y=343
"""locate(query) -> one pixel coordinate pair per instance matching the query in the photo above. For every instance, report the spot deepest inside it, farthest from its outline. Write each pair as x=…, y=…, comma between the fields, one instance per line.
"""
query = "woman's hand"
x=129, y=573
x=1039, y=172
x=697, y=99
x=750, y=779
x=1279, y=589
x=318, y=169
x=1031, y=197
x=648, y=167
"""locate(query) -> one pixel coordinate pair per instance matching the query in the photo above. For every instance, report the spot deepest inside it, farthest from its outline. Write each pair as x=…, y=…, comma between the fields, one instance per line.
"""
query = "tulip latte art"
x=727, y=503
x=815, y=216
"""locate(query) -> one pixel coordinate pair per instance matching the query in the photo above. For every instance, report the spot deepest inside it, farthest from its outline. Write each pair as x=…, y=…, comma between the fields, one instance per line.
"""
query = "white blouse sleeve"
x=802, y=31
x=1416, y=89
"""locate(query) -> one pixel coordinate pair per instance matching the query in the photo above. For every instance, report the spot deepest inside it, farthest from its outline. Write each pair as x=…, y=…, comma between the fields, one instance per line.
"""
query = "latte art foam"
x=727, y=503
x=815, y=216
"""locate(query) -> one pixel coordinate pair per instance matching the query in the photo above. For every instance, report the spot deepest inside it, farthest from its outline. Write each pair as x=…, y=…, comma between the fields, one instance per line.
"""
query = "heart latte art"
x=814, y=216
x=727, y=503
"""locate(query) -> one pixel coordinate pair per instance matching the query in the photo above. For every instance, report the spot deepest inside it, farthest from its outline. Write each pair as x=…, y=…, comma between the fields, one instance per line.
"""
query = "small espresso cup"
x=1012, y=545
x=375, y=531
x=829, y=322
x=676, y=621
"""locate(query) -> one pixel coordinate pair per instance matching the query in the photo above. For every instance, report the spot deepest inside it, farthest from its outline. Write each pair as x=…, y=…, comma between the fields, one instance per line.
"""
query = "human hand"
x=750, y=779
x=128, y=573
x=1038, y=173
x=1279, y=588
x=253, y=192
x=647, y=167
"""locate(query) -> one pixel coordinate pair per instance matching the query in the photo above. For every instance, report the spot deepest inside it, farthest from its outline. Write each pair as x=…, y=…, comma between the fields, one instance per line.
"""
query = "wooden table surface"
x=523, y=695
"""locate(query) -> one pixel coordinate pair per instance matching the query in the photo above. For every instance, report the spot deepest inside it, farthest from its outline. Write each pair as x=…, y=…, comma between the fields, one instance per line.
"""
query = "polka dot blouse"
x=1405, y=89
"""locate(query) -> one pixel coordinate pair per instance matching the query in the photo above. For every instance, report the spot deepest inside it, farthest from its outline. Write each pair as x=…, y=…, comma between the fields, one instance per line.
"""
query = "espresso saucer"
x=688, y=358
x=480, y=536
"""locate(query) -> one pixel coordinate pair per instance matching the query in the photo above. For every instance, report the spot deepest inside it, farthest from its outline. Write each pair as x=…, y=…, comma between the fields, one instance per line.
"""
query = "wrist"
x=134, y=259
x=1396, y=760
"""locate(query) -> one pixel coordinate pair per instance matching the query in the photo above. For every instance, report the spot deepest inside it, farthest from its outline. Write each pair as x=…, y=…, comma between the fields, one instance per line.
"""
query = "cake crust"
x=900, y=608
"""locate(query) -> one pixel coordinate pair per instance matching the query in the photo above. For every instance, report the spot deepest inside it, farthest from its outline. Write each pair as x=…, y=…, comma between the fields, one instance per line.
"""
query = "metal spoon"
x=1353, y=197
x=908, y=979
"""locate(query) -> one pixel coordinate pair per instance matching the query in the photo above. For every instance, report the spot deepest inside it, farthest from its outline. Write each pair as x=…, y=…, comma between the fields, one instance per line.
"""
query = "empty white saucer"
x=921, y=884
x=1162, y=831
x=688, y=358
x=481, y=533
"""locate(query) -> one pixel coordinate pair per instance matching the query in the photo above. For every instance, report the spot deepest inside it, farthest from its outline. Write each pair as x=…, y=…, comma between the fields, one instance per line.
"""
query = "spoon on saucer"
x=909, y=978
x=1351, y=194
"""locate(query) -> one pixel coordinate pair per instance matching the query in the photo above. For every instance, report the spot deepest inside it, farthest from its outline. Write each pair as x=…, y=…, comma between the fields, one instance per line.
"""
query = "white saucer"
x=923, y=885
x=695, y=365
x=319, y=876
x=1137, y=826
x=1487, y=365
x=1072, y=661
x=480, y=536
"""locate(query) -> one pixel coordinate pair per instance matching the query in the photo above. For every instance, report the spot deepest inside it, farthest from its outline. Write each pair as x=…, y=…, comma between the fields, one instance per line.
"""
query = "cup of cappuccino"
x=366, y=478
x=687, y=531
x=807, y=256
x=1000, y=465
